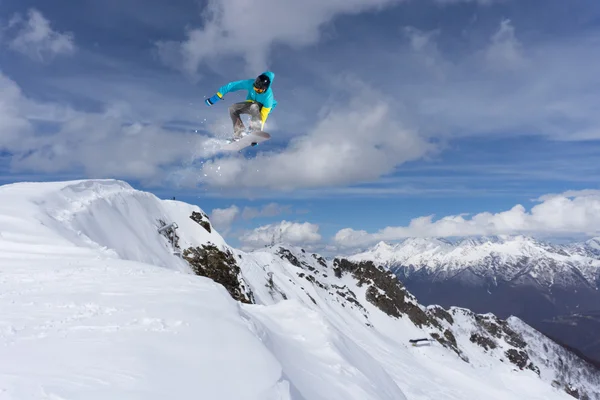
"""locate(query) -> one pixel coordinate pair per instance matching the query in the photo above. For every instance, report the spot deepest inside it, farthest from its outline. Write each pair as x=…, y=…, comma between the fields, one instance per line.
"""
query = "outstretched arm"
x=230, y=87
x=234, y=86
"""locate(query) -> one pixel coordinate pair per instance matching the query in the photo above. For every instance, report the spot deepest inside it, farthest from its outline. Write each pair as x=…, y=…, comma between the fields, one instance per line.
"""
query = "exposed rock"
x=312, y=280
x=521, y=359
x=483, y=341
x=385, y=292
x=273, y=288
x=440, y=313
x=202, y=219
x=287, y=255
x=221, y=267
x=320, y=260
x=500, y=329
x=574, y=392
x=448, y=340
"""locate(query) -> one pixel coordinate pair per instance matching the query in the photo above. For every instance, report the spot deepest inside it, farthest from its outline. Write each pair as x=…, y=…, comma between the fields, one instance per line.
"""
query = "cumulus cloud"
x=560, y=214
x=103, y=144
x=354, y=142
x=35, y=38
x=230, y=29
x=283, y=232
x=570, y=193
x=222, y=218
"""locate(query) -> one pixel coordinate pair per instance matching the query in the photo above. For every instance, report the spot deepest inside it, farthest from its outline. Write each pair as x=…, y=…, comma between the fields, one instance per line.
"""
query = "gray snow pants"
x=247, y=107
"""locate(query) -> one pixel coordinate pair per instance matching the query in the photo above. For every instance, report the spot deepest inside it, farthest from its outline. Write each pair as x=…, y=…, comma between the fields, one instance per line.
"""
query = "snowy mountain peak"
x=500, y=257
x=594, y=244
x=382, y=247
x=425, y=242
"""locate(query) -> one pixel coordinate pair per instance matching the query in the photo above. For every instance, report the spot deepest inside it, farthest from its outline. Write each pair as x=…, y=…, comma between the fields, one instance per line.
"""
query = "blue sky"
x=389, y=111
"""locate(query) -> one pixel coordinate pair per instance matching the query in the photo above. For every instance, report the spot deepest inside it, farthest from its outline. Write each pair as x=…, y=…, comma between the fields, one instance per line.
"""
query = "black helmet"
x=262, y=83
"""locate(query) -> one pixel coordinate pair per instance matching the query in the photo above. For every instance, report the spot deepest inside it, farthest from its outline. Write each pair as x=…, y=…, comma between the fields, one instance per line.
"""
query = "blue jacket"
x=266, y=99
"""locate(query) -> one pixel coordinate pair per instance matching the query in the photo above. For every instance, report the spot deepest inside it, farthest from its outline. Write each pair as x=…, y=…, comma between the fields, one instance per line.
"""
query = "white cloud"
x=570, y=193
x=505, y=50
x=36, y=39
x=504, y=85
x=222, y=218
x=250, y=29
x=104, y=144
x=355, y=142
x=283, y=232
x=14, y=127
x=569, y=213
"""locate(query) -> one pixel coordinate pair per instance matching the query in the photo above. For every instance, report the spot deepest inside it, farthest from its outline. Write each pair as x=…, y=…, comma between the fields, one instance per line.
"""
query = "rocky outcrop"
x=201, y=219
x=220, y=266
x=483, y=341
x=385, y=291
x=388, y=294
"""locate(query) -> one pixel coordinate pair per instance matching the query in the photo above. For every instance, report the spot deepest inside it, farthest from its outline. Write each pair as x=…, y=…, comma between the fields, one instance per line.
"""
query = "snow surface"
x=554, y=362
x=96, y=306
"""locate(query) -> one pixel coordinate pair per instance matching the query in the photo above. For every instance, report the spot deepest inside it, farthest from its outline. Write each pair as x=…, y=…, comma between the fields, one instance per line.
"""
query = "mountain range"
x=553, y=287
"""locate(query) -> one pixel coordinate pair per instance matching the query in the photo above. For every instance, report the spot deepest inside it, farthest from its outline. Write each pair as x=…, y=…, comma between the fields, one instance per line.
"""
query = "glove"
x=213, y=99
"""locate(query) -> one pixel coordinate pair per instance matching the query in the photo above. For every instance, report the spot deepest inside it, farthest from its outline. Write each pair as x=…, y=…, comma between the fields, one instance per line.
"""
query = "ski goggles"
x=259, y=90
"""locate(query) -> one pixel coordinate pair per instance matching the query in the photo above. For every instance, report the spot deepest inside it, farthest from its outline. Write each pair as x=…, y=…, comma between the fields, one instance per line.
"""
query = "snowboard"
x=251, y=139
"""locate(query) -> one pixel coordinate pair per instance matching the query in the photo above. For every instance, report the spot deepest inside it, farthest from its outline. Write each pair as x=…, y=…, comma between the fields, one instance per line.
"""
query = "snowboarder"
x=259, y=103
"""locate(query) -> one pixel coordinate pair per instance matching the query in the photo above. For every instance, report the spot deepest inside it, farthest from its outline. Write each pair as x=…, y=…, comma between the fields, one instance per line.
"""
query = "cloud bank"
x=230, y=28
x=52, y=137
x=570, y=213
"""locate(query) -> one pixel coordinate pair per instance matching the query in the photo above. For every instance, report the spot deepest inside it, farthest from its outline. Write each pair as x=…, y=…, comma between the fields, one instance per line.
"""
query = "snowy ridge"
x=98, y=307
x=107, y=218
x=556, y=364
x=509, y=258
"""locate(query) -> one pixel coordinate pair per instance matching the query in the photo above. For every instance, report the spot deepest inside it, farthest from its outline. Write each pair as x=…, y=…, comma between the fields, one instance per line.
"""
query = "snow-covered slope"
x=105, y=218
x=516, y=259
x=97, y=305
x=590, y=248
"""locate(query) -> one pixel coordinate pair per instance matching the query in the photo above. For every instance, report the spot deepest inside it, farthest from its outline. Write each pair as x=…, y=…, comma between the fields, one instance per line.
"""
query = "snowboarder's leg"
x=247, y=107
x=255, y=120
x=235, y=110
